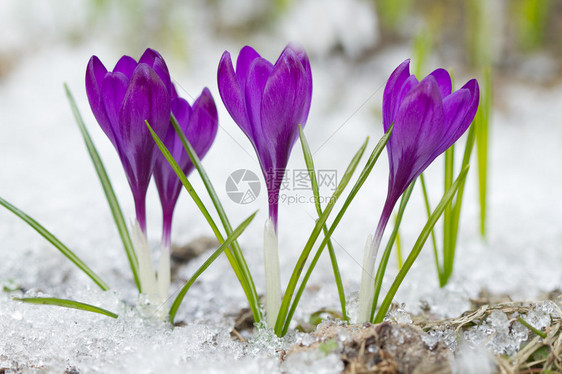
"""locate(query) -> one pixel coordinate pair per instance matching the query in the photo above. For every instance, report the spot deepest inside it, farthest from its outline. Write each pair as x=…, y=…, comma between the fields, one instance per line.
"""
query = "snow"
x=46, y=172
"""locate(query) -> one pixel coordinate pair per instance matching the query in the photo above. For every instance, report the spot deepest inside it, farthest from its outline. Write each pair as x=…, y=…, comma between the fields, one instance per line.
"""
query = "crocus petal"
x=443, y=81
x=147, y=98
x=156, y=62
x=95, y=72
x=284, y=96
x=232, y=94
x=113, y=91
x=391, y=92
x=203, y=124
x=245, y=58
x=258, y=75
x=417, y=130
x=307, y=81
x=455, y=107
x=125, y=65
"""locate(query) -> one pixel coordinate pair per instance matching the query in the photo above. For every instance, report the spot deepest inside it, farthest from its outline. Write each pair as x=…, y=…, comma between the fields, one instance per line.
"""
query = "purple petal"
x=147, y=98
x=95, y=72
x=232, y=94
x=472, y=86
x=156, y=62
x=245, y=58
x=113, y=91
x=258, y=75
x=125, y=65
x=417, y=131
x=284, y=97
x=203, y=124
x=300, y=53
x=392, y=90
x=455, y=107
x=443, y=81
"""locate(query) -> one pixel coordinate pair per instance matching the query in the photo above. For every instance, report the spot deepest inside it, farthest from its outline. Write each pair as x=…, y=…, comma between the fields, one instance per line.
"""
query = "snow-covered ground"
x=45, y=171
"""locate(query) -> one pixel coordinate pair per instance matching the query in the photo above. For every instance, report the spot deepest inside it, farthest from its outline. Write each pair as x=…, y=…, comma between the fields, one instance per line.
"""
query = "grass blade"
x=57, y=243
x=312, y=173
x=189, y=188
x=107, y=189
x=482, y=134
x=66, y=304
x=438, y=265
x=356, y=187
x=455, y=217
x=386, y=254
x=445, y=200
x=231, y=238
x=284, y=317
x=448, y=250
x=236, y=250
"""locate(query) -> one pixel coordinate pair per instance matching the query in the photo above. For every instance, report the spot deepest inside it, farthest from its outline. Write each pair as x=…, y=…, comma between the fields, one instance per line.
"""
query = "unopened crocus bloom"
x=268, y=101
x=199, y=123
x=122, y=100
x=428, y=119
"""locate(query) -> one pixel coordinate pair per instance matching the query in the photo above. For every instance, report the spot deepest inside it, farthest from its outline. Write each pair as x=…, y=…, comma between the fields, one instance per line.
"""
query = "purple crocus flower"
x=427, y=119
x=121, y=101
x=199, y=123
x=268, y=102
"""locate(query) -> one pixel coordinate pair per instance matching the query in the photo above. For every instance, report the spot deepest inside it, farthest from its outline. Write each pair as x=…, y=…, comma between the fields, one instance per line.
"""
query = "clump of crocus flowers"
x=122, y=101
x=269, y=102
x=427, y=119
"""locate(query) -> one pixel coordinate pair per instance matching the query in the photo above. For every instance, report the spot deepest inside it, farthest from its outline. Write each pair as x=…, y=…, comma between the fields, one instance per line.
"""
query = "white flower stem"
x=367, y=290
x=272, y=274
x=164, y=276
x=146, y=268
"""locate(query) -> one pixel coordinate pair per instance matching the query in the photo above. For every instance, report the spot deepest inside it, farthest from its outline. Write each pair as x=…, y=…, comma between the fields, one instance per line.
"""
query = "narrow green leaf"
x=455, y=216
x=447, y=197
x=252, y=294
x=315, y=190
x=448, y=251
x=107, y=189
x=57, y=243
x=438, y=265
x=66, y=304
x=231, y=238
x=356, y=187
x=399, y=260
x=381, y=270
x=189, y=188
x=284, y=316
x=482, y=122
x=531, y=327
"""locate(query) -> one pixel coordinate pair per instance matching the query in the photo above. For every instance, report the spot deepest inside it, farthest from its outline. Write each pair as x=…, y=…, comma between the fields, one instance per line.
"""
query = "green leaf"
x=433, y=240
x=482, y=123
x=57, y=243
x=66, y=304
x=285, y=315
x=231, y=238
x=315, y=190
x=252, y=294
x=356, y=187
x=246, y=286
x=447, y=197
x=107, y=189
x=381, y=270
